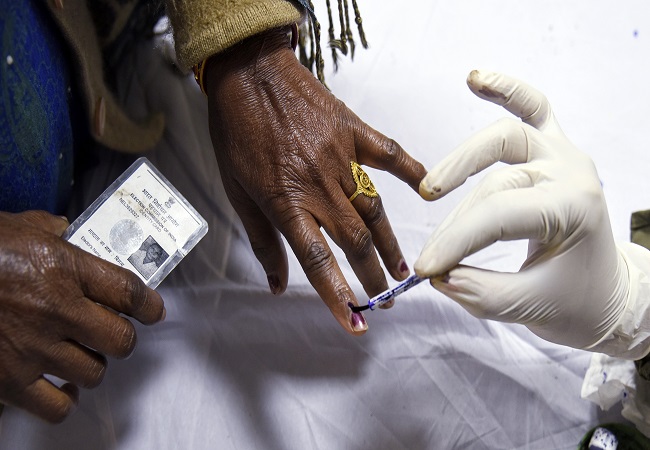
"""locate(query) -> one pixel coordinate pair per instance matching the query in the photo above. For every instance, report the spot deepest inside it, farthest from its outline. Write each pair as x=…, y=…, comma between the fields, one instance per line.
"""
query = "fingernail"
x=404, y=268
x=388, y=304
x=164, y=314
x=357, y=320
x=274, y=283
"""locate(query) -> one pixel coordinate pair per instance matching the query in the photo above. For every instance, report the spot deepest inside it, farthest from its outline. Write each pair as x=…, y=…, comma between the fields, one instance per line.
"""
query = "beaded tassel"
x=344, y=44
x=320, y=64
x=330, y=31
x=357, y=19
x=348, y=30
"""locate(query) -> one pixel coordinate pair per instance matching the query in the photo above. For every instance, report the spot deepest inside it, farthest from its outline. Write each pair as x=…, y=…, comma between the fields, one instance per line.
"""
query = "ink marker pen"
x=390, y=294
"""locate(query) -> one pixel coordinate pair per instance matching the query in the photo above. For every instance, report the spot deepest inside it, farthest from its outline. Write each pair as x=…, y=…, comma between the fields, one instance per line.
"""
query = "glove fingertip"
x=423, y=266
x=485, y=87
x=428, y=190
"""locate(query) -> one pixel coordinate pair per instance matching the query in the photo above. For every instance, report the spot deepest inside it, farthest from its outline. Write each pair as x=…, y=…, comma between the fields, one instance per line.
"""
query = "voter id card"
x=141, y=222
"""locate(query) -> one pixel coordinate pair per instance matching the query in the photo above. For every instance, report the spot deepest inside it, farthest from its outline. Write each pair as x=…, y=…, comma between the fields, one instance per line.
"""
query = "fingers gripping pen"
x=390, y=294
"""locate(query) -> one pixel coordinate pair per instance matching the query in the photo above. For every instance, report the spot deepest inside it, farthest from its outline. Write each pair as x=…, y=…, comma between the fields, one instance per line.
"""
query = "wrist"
x=249, y=57
x=630, y=337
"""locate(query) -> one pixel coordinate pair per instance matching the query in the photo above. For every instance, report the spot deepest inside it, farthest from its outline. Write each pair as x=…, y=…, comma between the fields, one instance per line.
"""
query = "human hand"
x=59, y=314
x=573, y=286
x=284, y=145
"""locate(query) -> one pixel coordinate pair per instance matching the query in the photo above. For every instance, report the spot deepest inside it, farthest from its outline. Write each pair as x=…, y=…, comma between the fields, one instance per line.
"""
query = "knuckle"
x=289, y=213
x=95, y=372
x=46, y=257
x=391, y=151
x=375, y=213
x=361, y=244
x=125, y=339
x=317, y=258
x=135, y=291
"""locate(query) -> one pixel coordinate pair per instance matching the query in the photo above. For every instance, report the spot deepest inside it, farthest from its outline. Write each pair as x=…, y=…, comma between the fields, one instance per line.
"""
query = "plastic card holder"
x=141, y=222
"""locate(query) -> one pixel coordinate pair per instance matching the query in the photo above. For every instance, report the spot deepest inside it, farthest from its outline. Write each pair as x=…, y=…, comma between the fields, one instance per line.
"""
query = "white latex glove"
x=574, y=287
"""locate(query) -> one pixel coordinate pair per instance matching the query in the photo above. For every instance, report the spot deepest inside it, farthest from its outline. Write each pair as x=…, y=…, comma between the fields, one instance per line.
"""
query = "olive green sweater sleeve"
x=205, y=27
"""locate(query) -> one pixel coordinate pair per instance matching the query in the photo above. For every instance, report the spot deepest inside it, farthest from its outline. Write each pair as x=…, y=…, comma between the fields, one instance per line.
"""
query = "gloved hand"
x=60, y=314
x=574, y=285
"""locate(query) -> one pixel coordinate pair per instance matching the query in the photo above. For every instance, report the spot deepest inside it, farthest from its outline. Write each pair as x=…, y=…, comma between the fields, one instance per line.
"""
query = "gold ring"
x=364, y=185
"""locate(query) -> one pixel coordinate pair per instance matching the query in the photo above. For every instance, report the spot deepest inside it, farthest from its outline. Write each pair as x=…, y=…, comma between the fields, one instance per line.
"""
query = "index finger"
x=113, y=286
x=380, y=152
x=503, y=216
x=507, y=141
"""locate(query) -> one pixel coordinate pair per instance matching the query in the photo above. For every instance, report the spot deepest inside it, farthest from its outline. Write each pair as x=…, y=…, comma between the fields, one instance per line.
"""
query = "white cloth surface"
x=233, y=367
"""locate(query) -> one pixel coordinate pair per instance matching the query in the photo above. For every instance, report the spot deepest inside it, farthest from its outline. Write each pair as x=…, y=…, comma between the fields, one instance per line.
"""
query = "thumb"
x=486, y=294
x=43, y=221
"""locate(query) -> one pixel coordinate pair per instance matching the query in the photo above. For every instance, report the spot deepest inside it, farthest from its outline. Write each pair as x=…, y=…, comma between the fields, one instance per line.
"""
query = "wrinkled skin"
x=59, y=314
x=284, y=145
